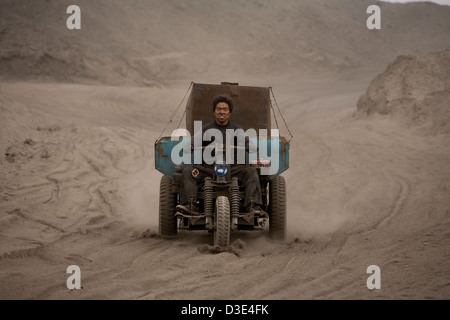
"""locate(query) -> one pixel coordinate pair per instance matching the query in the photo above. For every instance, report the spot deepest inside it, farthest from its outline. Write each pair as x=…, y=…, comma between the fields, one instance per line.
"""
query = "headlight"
x=221, y=169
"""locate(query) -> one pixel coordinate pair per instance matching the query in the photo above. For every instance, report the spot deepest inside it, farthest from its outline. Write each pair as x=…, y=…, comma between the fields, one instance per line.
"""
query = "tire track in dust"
x=98, y=153
x=83, y=184
x=393, y=190
x=25, y=216
x=376, y=181
x=33, y=247
x=398, y=203
x=338, y=154
x=23, y=253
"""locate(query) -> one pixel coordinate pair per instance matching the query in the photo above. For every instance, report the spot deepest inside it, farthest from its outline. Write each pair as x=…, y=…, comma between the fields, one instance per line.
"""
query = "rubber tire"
x=222, y=220
x=167, y=219
x=277, y=208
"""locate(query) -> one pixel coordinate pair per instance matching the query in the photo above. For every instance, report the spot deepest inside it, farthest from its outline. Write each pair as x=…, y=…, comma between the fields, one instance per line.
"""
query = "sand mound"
x=414, y=89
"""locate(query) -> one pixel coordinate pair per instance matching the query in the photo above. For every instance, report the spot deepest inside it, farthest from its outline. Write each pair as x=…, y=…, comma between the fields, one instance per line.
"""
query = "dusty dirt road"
x=79, y=188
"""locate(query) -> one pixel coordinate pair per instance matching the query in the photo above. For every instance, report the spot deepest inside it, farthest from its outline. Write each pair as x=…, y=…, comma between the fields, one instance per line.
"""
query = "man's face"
x=222, y=113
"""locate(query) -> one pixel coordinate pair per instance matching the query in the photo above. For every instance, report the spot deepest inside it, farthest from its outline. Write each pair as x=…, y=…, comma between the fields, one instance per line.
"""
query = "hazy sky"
x=446, y=2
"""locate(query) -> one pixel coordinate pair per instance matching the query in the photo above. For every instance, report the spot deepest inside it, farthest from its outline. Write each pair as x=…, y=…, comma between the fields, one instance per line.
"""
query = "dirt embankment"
x=146, y=42
x=414, y=89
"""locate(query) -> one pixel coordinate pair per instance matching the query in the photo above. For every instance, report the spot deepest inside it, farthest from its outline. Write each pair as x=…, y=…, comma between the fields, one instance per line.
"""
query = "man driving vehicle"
x=192, y=175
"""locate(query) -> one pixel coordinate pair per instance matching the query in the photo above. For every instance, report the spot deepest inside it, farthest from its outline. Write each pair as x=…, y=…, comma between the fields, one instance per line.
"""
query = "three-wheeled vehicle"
x=220, y=197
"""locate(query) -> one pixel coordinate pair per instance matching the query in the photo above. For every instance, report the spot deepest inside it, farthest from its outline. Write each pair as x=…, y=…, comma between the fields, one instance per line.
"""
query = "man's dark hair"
x=223, y=98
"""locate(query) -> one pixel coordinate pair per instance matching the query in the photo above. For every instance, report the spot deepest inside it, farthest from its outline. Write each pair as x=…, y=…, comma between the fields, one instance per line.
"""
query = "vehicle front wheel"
x=222, y=221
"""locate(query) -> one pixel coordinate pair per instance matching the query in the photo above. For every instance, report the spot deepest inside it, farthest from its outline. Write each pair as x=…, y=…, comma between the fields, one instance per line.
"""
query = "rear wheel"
x=277, y=208
x=222, y=220
x=167, y=219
